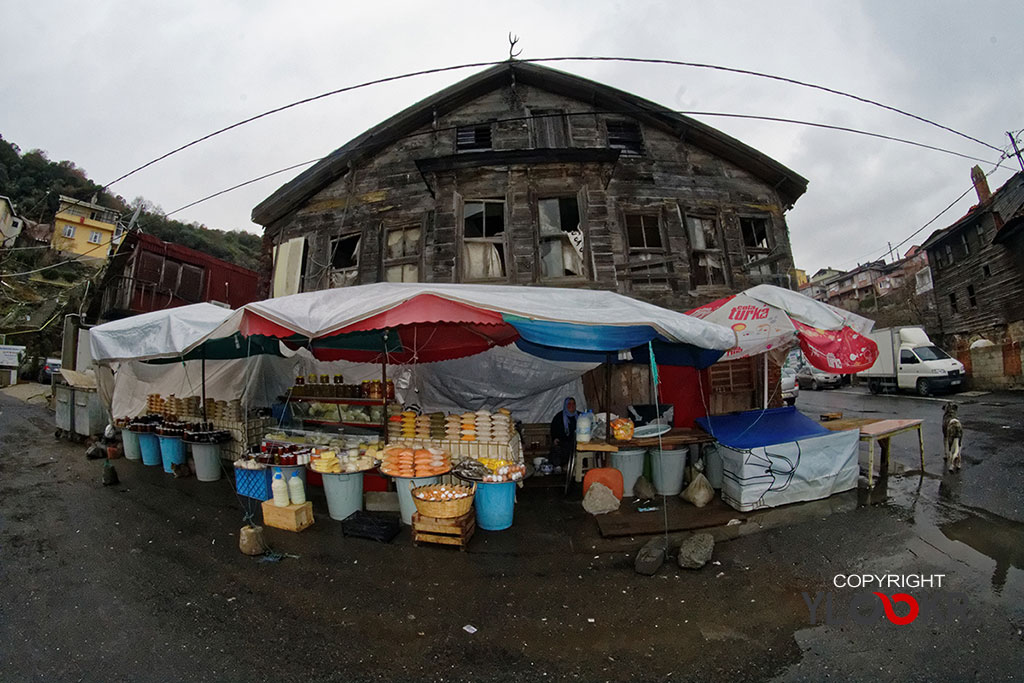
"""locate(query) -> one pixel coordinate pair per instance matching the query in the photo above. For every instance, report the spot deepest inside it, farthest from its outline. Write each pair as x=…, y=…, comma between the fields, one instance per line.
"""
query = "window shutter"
x=169, y=278
x=149, y=267
x=191, y=286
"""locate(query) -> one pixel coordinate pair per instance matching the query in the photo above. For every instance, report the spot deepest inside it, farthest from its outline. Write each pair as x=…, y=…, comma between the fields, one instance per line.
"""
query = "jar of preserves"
x=390, y=393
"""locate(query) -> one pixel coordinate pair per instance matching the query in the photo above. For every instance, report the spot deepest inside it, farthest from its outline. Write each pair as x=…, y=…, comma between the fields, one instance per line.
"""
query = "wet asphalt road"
x=144, y=581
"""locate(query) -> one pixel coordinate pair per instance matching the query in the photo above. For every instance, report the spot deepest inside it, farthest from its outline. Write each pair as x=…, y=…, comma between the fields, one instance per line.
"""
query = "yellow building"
x=799, y=277
x=84, y=229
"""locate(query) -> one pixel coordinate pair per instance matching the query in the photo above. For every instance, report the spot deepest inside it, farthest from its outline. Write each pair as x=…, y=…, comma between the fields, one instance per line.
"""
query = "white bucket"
x=207, y=459
x=631, y=463
x=713, y=466
x=344, y=493
x=667, y=469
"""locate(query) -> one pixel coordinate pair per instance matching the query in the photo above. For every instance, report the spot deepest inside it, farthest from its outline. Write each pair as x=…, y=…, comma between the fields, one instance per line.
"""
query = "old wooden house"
x=977, y=275
x=526, y=175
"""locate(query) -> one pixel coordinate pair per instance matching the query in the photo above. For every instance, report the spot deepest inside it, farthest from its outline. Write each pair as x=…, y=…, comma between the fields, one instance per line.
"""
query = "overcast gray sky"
x=111, y=85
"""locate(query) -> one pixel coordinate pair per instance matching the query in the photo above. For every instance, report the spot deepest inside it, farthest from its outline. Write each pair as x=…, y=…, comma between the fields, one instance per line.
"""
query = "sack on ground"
x=699, y=492
x=600, y=499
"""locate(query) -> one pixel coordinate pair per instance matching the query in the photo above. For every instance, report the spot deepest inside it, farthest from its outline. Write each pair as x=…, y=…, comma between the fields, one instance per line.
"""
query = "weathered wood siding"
x=672, y=178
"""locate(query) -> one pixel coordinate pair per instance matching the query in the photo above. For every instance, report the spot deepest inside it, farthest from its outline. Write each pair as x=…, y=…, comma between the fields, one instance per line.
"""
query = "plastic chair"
x=583, y=462
x=609, y=476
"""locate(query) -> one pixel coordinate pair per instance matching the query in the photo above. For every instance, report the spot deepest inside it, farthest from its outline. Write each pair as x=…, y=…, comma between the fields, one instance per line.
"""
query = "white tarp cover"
x=315, y=314
x=257, y=381
x=161, y=334
x=789, y=472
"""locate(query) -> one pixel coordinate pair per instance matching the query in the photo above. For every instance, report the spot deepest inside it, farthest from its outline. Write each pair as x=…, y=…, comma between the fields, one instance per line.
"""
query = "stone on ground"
x=695, y=551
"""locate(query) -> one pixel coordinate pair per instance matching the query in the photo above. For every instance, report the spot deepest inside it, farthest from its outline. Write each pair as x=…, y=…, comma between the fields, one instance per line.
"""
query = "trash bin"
x=150, y=447
x=207, y=459
x=713, y=465
x=495, y=505
x=344, y=493
x=630, y=462
x=667, y=469
x=132, y=448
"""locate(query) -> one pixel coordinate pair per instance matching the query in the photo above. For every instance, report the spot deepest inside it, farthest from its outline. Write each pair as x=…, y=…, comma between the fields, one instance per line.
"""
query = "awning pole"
x=384, y=385
x=766, y=380
x=203, y=382
x=607, y=397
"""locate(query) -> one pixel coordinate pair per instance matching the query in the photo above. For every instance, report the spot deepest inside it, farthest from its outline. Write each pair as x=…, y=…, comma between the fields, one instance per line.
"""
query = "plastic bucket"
x=132, y=449
x=150, y=448
x=207, y=457
x=630, y=462
x=344, y=493
x=405, y=503
x=667, y=470
x=172, y=451
x=495, y=505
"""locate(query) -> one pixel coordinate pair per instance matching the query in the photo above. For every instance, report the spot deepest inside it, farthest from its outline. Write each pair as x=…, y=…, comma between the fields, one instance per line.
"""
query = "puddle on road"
x=998, y=538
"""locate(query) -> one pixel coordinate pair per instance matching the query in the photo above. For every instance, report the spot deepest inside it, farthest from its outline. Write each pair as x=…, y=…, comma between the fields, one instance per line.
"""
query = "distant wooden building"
x=525, y=175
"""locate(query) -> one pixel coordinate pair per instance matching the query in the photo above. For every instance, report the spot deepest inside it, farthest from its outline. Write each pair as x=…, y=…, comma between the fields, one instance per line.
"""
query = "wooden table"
x=679, y=436
x=880, y=431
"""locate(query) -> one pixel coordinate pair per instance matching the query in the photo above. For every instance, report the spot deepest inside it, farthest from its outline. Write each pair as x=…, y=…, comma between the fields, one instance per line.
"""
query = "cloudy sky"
x=112, y=85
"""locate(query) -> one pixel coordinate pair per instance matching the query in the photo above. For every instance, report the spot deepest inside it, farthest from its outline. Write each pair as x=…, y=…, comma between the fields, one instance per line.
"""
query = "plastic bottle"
x=296, y=490
x=280, y=490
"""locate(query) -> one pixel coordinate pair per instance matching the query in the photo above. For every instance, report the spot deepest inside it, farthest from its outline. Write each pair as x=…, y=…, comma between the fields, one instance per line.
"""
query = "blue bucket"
x=150, y=448
x=172, y=451
x=495, y=505
x=132, y=449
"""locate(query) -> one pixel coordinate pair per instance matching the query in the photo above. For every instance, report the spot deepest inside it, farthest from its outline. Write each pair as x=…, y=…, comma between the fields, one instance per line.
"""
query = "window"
x=907, y=356
x=473, y=138
x=755, y=237
x=985, y=269
x=169, y=277
x=68, y=231
x=345, y=259
x=190, y=285
x=95, y=237
x=965, y=244
x=952, y=302
x=647, y=255
x=931, y=353
x=402, y=253
x=625, y=135
x=483, y=240
x=949, y=255
x=148, y=267
x=971, y=298
x=979, y=230
x=561, y=238
x=707, y=263
x=550, y=128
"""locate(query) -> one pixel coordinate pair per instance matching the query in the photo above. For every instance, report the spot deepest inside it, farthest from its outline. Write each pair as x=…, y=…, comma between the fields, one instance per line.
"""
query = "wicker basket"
x=443, y=509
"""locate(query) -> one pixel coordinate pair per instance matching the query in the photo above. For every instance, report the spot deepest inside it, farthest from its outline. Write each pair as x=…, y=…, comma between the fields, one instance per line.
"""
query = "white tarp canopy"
x=169, y=333
x=809, y=311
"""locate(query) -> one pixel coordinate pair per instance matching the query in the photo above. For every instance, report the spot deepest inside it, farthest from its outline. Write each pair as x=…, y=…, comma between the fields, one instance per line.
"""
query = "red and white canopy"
x=766, y=317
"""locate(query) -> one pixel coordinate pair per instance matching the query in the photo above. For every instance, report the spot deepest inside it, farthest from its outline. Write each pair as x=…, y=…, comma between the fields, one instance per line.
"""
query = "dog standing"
x=952, y=436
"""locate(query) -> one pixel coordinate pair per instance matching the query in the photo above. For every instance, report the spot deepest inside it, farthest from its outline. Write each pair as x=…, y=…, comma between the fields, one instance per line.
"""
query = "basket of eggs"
x=443, y=501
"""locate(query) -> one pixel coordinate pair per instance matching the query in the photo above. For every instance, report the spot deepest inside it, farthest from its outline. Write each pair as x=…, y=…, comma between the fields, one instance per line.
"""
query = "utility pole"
x=890, y=251
x=1016, y=151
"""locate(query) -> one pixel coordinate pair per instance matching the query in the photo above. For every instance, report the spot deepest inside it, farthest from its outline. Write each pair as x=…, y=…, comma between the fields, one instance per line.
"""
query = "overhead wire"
x=539, y=60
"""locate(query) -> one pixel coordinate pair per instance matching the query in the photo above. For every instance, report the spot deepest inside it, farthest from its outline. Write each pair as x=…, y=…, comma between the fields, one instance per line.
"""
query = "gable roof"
x=1008, y=191
x=291, y=195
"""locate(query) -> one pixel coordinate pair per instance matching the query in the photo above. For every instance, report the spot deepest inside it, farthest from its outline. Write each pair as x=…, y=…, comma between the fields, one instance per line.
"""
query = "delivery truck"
x=907, y=359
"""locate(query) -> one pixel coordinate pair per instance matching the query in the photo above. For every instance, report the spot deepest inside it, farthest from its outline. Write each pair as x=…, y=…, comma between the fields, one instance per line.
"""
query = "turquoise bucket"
x=150, y=448
x=132, y=449
x=172, y=451
x=495, y=505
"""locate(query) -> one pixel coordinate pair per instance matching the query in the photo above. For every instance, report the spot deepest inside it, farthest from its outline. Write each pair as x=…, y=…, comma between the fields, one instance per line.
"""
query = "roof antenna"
x=512, y=40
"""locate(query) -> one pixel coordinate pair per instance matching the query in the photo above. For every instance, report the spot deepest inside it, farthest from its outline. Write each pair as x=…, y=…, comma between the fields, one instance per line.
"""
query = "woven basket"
x=443, y=509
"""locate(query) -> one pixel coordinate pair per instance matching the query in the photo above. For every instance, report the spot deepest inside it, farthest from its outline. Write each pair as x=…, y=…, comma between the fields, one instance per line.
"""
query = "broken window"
x=964, y=243
x=473, y=138
x=986, y=270
x=755, y=237
x=402, y=253
x=648, y=259
x=971, y=299
x=550, y=128
x=625, y=135
x=483, y=240
x=561, y=238
x=707, y=262
x=952, y=302
x=344, y=259
x=949, y=255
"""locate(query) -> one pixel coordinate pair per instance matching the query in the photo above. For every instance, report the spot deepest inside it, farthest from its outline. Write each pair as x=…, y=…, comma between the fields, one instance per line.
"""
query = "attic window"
x=625, y=135
x=473, y=138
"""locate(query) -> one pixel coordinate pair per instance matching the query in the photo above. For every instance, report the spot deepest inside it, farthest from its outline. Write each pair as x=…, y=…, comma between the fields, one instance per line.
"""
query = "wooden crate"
x=455, y=531
x=291, y=518
x=828, y=417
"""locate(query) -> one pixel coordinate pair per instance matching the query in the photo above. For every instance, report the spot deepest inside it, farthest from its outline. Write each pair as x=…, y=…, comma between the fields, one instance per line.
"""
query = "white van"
x=907, y=359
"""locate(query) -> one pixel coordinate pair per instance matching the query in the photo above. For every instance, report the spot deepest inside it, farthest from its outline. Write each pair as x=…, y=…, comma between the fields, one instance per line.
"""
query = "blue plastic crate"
x=253, y=483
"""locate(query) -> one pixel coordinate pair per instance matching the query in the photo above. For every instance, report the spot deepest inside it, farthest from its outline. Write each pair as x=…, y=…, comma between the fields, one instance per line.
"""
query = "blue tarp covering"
x=761, y=427
x=664, y=354
x=583, y=337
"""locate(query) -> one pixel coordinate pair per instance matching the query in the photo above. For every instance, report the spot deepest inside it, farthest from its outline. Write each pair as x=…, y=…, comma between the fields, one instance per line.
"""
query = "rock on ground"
x=650, y=558
x=695, y=551
x=643, y=488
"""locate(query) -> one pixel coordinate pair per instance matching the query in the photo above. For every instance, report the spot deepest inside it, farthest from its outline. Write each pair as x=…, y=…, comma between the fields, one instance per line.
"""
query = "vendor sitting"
x=563, y=434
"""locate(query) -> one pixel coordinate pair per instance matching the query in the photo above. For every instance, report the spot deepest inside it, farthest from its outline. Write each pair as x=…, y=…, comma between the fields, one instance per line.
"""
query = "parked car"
x=815, y=379
x=50, y=368
x=790, y=388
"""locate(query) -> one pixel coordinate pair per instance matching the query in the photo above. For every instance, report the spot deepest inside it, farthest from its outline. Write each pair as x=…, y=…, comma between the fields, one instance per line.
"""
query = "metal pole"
x=384, y=384
x=203, y=383
x=607, y=396
x=766, y=380
x=1016, y=151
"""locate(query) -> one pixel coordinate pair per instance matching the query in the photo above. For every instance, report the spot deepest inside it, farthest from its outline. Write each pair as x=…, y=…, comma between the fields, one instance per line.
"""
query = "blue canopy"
x=761, y=427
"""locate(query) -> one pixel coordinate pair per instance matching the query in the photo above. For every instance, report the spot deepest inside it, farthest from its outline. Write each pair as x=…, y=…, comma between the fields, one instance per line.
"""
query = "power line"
x=425, y=72
x=235, y=187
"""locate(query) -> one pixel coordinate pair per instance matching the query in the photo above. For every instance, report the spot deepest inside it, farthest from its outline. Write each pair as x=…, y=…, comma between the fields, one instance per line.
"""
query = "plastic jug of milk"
x=280, y=490
x=296, y=491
